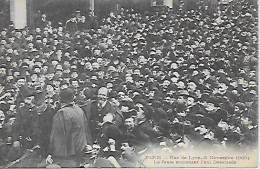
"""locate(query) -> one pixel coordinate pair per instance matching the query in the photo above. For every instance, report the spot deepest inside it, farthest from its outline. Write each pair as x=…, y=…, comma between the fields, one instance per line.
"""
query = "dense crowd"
x=180, y=80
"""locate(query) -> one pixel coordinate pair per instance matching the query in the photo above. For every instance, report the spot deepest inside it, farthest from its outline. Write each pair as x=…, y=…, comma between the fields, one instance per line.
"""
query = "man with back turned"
x=70, y=133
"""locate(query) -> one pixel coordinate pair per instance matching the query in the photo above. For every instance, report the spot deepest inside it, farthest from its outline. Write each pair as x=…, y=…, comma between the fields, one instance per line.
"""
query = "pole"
x=18, y=13
x=168, y=3
x=92, y=5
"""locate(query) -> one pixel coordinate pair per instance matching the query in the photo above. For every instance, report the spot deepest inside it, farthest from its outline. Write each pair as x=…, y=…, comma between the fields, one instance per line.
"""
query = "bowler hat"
x=66, y=95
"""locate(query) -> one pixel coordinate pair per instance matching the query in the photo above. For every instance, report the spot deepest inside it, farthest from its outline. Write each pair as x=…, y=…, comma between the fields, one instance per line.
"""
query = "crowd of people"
x=170, y=79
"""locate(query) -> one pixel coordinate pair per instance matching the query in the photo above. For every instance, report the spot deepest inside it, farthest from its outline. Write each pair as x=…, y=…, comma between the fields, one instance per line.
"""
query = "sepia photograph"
x=128, y=84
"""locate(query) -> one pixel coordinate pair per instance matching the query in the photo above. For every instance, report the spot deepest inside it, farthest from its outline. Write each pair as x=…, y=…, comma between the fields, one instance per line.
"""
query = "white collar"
x=65, y=105
x=103, y=104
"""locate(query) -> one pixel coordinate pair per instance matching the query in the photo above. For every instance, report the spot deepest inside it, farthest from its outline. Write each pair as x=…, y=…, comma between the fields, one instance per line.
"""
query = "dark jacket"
x=95, y=116
x=71, y=26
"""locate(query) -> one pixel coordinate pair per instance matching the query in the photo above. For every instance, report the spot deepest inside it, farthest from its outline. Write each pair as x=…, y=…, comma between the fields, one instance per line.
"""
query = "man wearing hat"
x=23, y=126
x=70, y=132
x=3, y=71
x=96, y=110
x=71, y=24
x=42, y=23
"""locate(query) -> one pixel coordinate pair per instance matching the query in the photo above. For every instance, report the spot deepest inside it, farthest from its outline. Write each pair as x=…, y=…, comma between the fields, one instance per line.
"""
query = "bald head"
x=103, y=91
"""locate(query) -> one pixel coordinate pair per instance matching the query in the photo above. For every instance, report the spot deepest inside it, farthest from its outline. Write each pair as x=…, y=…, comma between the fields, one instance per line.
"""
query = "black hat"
x=66, y=95
x=195, y=137
x=192, y=118
x=112, y=131
x=188, y=129
x=160, y=113
x=219, y=134
x=208, y=122
x=164, y=126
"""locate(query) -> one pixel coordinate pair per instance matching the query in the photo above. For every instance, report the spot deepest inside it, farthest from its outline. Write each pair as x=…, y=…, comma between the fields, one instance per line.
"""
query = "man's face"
x=129, y=123
x=154, y=73
x=83, y=19
x=180, y=85
x=9, y=78
x=126, y=147
x=59, y=73
x=124, y=109
x=64, y=86
x=37, y=70
x=34, y=77
x=234, y=84
x=201, y=129
x=208, y=39
x=140, y=113
x=2, y=119
x=38, y=41
x=43, y=16
x=222, y=87
x=181, y=99
x=60, y=29
x=142, y=83
x=21, y=82
x=95, y=65
x=75, y=84
x=165, y=84
x=24, y=32
x=245, y=121
x=192, y=86
x=44, y=40
x=56, y=83
x=66, y=63
x=50, y=76
x=54, y=62
x=121, y=95
x=110, y=86
x=190, y=101
x=102, y=95
x=55, y=42
x=180, y=41
x=143, y=61
x=180, y=60
x=151, y=94
x=206, y=72
x=97, y=52
x=129, y=79
x=101, y=74
x=137, y=72
x=38, y=30
x=3, y=33
x=29, y=100
x=44, y=69
x=88, y=66
x=49, y=89
x=16, y=74
x=11, y=39
x=41, y=80
x=13, y=64
x=3, y=42
x=2, y=71
x=74, y=74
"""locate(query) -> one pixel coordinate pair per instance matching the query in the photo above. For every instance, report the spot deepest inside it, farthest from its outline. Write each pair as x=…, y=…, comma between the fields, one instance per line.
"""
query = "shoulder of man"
x=115, y=108
x=112, y=104
x=66, y=112
x=87, y=103
x=68, y=21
